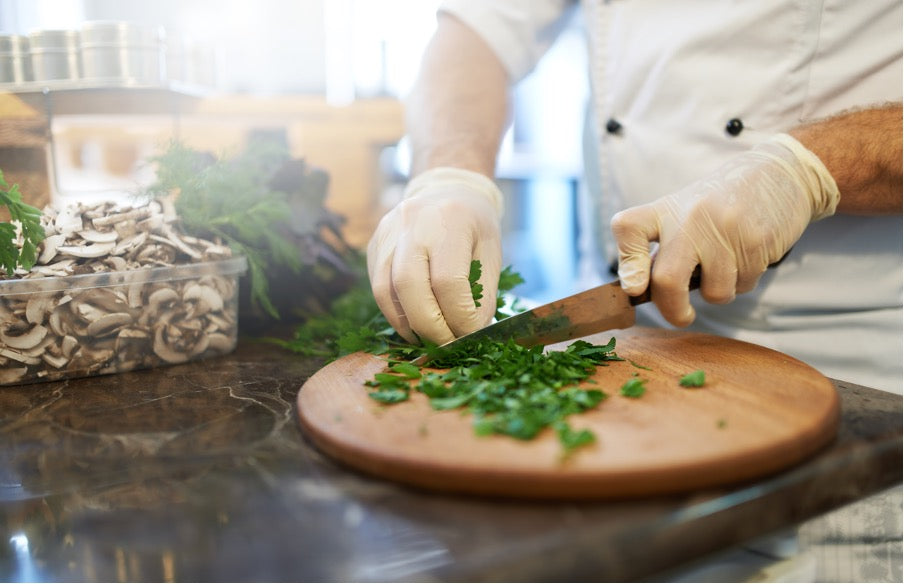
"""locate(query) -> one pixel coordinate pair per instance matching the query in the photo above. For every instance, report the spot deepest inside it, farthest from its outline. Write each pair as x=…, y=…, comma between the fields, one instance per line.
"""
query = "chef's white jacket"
x=679, y=87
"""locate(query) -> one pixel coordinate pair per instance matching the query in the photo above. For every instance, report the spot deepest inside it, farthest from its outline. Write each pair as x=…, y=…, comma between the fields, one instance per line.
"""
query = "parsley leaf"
x=508, y=281
x=28, y=218
x=694, y=379
x=474, y=273
x=634, y=387
x=572, y=439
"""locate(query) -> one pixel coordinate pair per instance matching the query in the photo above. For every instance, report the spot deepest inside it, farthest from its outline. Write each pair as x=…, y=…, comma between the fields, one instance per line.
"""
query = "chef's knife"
x=597, y=309
x=592, y=311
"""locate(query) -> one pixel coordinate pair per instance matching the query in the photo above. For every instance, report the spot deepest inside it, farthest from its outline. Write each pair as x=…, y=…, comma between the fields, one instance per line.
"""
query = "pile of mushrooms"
x=113, y=317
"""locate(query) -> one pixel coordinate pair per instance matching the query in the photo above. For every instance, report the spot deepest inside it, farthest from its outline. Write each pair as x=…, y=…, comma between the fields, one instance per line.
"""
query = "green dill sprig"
x=29, y=220
x=229, y=198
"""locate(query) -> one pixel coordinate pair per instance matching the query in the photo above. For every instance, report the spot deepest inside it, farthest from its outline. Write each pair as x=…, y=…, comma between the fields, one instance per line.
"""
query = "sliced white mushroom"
x=170, y=237
x=55, y=361
x=207, y=298
x=130, y=243
x=25, y=338
x=116, y=263
x=109, y=324
x=60, y=268
x=131, y=333
x=219, y=321
x=126, y=229
x=130, y=215
x=40, y=348
x=161, y=297
x=20, y=357
x=134, y=294
x=68, y=220
x=192, y=324
x=88, y=312
x=109, y=299
x=38, y=307
x=49, y=247
x=57, y=324
x=68, y=345
x=95, y=236
x=94, y=250
x=163, y=350
x=200, y=346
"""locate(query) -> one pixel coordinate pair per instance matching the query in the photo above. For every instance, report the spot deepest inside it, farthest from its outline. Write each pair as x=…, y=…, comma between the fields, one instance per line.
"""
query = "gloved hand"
x=420, y=255
x=733, y=223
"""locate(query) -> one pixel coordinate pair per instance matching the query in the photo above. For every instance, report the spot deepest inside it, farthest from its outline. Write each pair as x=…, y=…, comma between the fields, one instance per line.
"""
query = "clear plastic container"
x=109, y=322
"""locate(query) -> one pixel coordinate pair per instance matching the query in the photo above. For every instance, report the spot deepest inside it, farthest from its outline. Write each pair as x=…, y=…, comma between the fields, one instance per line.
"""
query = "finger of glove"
x=752, y=263
x=453, y=292
x=718, y=276
x=670, y=281
x=716, y=254
x=380, y=252
x=634, y=229
x=413, y=286
x=430, y=242
x=475, y=238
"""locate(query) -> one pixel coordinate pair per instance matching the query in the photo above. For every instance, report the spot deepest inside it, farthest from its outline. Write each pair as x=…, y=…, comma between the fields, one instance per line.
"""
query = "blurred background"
x=326, y=78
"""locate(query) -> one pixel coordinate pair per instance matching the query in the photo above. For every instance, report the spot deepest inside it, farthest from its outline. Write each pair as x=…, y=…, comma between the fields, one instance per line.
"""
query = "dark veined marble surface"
x=199, y=472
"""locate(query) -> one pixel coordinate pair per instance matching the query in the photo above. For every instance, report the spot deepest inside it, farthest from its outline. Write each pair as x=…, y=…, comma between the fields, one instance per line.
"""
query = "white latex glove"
x=420, y=254
x=733, y=224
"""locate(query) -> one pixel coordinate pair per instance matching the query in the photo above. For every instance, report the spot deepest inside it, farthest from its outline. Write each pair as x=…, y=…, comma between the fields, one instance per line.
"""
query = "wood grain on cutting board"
x=760, y=411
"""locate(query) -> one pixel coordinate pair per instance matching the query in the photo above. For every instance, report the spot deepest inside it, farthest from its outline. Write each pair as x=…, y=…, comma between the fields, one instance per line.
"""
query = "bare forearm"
x=862, y=151
x=458, y=110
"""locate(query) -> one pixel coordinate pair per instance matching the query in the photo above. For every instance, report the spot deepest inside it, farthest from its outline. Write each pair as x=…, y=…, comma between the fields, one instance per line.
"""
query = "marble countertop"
x=199, y=472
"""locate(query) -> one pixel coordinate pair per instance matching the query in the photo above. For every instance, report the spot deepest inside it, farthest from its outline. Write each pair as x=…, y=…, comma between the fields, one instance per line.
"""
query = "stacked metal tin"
x=98, y=53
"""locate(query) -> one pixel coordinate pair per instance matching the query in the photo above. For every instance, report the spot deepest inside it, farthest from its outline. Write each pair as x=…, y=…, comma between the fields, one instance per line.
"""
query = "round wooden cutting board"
x=759, y=411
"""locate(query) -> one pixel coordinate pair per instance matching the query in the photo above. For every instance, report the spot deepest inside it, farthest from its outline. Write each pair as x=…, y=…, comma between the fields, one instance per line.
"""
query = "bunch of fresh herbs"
x=262, y=203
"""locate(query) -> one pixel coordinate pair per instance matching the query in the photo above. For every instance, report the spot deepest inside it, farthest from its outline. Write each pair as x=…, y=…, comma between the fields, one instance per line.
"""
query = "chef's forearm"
x=458, y=110
x=862, y=151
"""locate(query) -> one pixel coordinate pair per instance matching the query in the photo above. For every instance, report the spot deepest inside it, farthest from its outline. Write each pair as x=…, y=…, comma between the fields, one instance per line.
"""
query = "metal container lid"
x=58, y=40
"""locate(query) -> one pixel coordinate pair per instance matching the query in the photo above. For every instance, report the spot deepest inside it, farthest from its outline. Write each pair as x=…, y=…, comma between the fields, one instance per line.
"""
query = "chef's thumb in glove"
x=420, y=255
x=733, y=224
